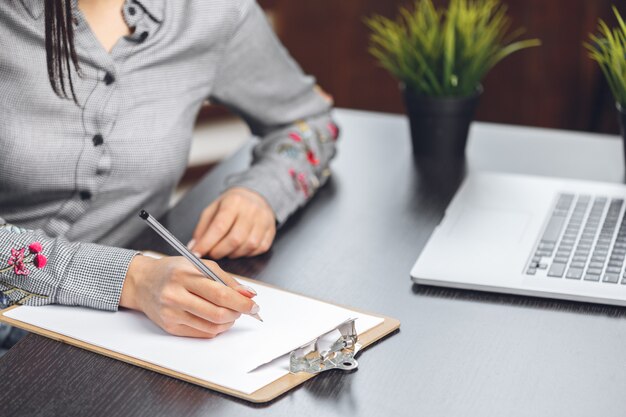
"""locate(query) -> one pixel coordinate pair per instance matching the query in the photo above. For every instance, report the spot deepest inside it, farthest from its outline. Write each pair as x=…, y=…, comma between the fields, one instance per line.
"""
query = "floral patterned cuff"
x=19, y=263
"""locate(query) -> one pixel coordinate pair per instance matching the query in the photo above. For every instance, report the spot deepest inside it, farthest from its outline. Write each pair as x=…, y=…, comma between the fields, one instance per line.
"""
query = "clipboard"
x=262, y=395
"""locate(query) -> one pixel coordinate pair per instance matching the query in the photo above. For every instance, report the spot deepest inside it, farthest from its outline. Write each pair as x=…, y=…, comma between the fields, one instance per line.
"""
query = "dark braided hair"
x=60, y=51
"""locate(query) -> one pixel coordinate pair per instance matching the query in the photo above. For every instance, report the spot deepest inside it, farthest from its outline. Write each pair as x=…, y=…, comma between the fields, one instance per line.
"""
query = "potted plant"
x=608, y=48
x=440, y=57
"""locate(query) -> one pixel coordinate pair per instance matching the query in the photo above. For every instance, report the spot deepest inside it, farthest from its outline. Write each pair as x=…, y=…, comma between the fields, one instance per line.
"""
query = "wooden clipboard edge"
x=262, y=395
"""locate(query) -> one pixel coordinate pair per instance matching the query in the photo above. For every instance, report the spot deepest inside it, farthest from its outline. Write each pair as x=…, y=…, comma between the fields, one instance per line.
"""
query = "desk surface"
x=457, y=353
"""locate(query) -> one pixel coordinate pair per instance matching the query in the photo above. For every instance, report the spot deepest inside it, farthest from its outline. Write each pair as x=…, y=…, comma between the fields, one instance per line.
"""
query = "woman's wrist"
x=136, y=270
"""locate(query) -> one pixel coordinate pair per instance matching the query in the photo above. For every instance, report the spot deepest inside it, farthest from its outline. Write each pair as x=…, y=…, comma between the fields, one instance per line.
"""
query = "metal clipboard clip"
x=314, y=358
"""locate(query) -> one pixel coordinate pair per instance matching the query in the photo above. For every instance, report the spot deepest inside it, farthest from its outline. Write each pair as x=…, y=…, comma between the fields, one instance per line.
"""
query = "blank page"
x=290, y=321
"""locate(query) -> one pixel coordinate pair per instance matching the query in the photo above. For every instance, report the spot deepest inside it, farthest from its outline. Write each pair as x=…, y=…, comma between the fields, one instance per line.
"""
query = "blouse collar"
x=153, y=7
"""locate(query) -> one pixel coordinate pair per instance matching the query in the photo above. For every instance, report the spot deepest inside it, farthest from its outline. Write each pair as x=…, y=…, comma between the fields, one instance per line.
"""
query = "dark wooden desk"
x=458, y=353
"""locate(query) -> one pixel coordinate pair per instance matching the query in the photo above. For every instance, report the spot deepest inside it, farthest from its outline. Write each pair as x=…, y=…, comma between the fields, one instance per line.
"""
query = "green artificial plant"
x=608, y=48
x=445, y=52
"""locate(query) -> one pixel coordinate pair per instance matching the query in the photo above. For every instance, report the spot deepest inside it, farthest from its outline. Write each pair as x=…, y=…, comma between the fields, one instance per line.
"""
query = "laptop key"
x=594, y=271
x=546, y=245
x=553, y=229
x=611, y=278
x=592, y=277
x=574, y=273
x=556, y=270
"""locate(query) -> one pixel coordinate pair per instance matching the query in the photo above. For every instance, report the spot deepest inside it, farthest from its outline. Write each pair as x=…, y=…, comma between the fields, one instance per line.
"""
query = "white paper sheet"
x=289, y=322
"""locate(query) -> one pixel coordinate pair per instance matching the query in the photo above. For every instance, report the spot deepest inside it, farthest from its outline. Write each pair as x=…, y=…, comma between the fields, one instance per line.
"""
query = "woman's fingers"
x=231, y=301
x=215, y=302
x=199, y=307
x=203, y=224
x=252, y=243
x=219, y=227
x=204, y=326
x=236, y=225
x=230, y=280
x=187, y=331
x=237, y=236
x=266, y=242
x=183, y=323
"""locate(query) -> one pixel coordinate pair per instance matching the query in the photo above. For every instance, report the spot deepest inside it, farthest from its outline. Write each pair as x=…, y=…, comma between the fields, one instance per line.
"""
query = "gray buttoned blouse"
x=72, y=177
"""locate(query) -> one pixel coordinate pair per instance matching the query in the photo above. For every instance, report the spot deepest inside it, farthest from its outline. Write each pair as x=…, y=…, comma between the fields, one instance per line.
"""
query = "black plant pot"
x=622, y=124
x=440, y=125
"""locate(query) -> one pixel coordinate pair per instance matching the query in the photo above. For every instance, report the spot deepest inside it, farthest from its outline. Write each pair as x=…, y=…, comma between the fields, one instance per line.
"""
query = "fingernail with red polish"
x=248, y=290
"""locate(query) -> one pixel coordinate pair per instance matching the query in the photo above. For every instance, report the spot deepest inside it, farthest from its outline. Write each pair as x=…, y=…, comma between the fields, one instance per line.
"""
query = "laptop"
x=537, y=236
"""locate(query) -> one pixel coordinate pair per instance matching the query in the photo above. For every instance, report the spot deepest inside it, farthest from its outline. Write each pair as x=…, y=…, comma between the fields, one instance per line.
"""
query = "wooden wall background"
x=554, y=86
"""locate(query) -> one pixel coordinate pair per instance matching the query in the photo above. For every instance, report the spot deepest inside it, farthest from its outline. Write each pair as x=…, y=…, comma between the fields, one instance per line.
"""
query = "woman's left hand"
x=239, y=223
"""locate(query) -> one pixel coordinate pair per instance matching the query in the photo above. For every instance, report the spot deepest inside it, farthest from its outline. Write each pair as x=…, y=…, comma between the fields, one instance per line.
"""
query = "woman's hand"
x=182, y=301
x=239, y=223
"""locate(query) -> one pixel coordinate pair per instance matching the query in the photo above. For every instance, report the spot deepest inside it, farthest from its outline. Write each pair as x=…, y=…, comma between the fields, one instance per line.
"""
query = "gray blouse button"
x=109, y=78
x=85, y=195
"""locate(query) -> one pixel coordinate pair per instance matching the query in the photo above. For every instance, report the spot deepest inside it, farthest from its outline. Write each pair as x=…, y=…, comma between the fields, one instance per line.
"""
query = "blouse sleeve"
x=37, y=270
x=260, y=81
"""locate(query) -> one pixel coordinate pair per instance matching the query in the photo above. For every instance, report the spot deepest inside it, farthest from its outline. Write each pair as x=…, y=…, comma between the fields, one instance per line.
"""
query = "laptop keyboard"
x=585, y=239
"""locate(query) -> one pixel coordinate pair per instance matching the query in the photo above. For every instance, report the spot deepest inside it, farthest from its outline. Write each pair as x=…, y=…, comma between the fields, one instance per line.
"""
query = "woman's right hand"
x=181, y=300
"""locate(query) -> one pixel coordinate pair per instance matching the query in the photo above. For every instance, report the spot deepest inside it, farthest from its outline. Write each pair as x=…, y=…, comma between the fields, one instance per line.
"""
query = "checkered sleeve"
x=260, y=81
x=37, y=270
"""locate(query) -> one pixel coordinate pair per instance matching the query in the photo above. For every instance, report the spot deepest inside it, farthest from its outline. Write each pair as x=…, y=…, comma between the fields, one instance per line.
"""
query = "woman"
x=97, y=100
